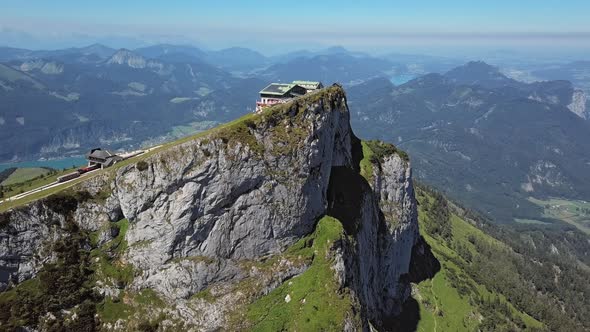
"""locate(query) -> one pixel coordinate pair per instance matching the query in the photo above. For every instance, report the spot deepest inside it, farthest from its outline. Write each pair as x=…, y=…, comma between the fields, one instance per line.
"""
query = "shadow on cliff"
x=423, y=266
x=345, y=197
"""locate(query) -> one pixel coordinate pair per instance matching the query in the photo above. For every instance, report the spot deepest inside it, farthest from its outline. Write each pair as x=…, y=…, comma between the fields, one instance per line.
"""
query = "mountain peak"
x=98, y=49
x=239, y=51
x=95, y=46
x=480, y=73
x=342, y=206
x=479, y=68
x=480, y=65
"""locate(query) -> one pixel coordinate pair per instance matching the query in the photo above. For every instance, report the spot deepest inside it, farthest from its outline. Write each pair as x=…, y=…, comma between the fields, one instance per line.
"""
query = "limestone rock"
x=199, y=209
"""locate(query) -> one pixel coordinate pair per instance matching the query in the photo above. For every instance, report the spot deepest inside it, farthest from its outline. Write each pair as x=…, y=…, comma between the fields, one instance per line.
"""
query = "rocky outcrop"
x=128, y=58
x=378, y=256
x=202, y=210
x=578, y=105
x=133, y=60
x=46, y=67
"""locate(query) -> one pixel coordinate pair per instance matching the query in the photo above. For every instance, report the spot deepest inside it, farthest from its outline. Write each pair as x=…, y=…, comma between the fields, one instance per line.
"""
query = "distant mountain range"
x=95, y=51
x=489, y=140
x=338, y=67
x=62, y=102
x=577, y=72
x=65, y=103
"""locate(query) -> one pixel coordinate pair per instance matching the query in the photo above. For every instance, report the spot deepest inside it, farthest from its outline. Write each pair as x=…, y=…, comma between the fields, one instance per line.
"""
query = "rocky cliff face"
x=126, y=57
x=216, y=225
x=578, y=105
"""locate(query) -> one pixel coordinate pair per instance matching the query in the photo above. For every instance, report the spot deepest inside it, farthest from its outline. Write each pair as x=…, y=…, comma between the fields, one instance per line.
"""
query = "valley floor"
x=573, y=212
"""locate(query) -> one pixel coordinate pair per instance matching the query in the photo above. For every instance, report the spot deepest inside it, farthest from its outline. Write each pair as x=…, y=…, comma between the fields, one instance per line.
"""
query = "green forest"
x=494, y=278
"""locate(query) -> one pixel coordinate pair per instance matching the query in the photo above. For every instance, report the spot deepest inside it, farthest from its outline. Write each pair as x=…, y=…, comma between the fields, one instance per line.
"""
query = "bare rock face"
x=126, y=57
x=579, y=104
x=199, y=211
x=23, y=239
x=378, y=257
x=46, y=67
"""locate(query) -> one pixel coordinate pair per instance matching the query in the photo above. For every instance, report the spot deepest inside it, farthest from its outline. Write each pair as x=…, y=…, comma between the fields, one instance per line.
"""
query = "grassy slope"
x=24, y=174
x=448, y=302
x=311, y=301
x=365, y=165
x=45, y=180
x=316, y=302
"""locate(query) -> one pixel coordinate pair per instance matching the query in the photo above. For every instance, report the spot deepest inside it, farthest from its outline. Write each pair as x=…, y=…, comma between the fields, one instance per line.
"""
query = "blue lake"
x=54, y=163
x=401, y=79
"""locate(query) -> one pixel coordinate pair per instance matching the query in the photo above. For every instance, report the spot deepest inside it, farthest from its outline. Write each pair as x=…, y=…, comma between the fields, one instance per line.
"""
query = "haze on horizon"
x=453, y=28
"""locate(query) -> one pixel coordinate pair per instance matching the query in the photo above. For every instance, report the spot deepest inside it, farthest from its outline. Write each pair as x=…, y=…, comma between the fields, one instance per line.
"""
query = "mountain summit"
x=478, y=73
x=258, y=223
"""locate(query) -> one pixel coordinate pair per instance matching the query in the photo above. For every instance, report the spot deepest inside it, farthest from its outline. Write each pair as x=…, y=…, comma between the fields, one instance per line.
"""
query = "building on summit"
x=278, y=93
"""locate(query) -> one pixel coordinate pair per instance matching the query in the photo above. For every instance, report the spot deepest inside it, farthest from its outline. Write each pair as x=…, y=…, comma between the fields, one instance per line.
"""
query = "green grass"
x=366, y=165
x=111, y=311
x=381, y=150
x=205, y=294
x=24, y=174
x=119, y=242
x=374, y=153
x=449, y=301
x=442, y=308
x=128, y=304
x=191, y=129
x=45, y=193
x=316, y=302
x=36, y=183
x=573, y=212
x=462, y=230
x=108, y=269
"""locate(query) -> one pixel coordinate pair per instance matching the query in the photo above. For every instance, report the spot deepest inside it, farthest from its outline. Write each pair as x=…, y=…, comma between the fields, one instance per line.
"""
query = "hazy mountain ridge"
x=142, y=94
x=125, y=95
x=338, y=67
x=490, y=140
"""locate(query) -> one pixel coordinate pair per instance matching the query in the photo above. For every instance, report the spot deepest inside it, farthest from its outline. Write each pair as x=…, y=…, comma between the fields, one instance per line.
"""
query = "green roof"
x=278, y=89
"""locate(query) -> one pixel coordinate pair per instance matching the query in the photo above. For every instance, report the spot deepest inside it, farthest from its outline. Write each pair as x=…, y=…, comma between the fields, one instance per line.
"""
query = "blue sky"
x=273, y=25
